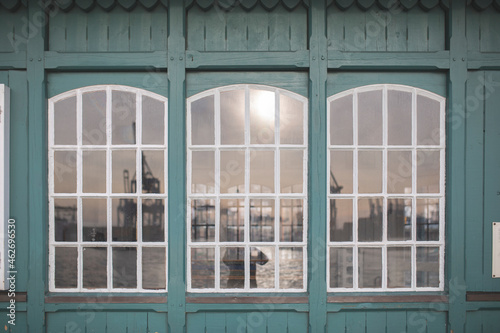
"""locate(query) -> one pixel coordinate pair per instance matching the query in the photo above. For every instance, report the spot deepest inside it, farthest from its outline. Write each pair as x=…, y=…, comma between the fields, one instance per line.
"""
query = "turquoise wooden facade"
x=313, y=48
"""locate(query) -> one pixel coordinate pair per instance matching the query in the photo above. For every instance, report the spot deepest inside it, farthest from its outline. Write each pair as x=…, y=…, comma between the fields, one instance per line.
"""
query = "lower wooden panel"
x=482, y=321
x=97, y=322
x=20, y=322
x=247, y=322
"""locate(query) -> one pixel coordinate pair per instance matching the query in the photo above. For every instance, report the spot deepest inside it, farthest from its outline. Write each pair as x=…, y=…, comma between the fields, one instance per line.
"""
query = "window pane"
x=291, y=121
x=123, y=117
x=370, y=219
x=341, y=171
x=124, y=177
x=399, y=117
x=261, y=171
x=262, y=115
x=124, y=267
x=94, y=171
x=94, y=213
x=428, y=114
x=153, y=171
x=232, y=117
x=232, y=171
x=203, y=172
x=65, y=171
x=94, y=118
x=399, y=267
x=202, y=268
x=202, y=121
x=370, y=171
x=124, y=219
x=232, y=220
x=291, y=268
x=370, y=267
x=65, y=122
x=370, y=118
x=262, y=220
x=341, y=267
x=398, y=219
x=291, y=171
x=291, y=220
x=65, y=214
x=232, y=268
x=340, y=220
x=153, y=220
x=153, y=121
x=95, y=261
x=427, y=219
x=428, y=171
x=262, y=266
x=202, y=220
x=427, y=267
x=341, y=121
x=153, y=268
x=399, y=171
x=66, y=271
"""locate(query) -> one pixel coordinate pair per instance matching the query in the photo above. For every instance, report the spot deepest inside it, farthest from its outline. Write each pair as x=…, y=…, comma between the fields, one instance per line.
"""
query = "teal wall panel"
x=14, y=28
x=482, y=321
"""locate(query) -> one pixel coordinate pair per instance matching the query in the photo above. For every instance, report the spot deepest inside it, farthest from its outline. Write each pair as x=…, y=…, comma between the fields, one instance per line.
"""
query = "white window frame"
x=217, y=245
x=108, y=148
x=4, y=182
x=414, y=147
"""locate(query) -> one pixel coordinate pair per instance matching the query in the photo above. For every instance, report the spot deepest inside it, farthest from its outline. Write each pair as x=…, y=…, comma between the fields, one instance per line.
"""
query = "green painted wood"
x=473, y=35
x=474, y=322
x=484, y=61
x=474, y=120
x=335, y=29
x=196, y=322
x=57, y=32
x=159, y=29
x=417, y=30
x=236, y=27
x=157, y=322
x=119, y=30
x=76, y=31
x=376, y=321
x=140, y=30
x=375, y=30
x=437, y=323
x=416, y=321
x=396, y=321
x=490, y=321
x=195, y=29
x=354, y=30
x=96, y=322
x=117, y=321
x=397, y=30
x=336, y=322
x=110, y=307
x=7, y=28
x=67, y=322
x=257, y=322
x=278, y=322
x=355, y=322
x=215, y=30
x=417, y=306
x=436, y=25
x=21, y=324
x=97, y=31
x=215, y=323
x=279, y=29
x=13, y=60
x=236, y=321
x=138, y=322
x=490, y=31
x=258, y=37
x=297, y=322
x=298, y=29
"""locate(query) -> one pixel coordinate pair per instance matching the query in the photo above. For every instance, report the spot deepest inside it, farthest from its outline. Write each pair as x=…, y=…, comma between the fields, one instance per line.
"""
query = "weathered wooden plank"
x=416, y=321
x=298, y=29
x=397, y=31
x=119, y=30
x=490, y=31
x=247, y=300
x=279, y=29
x=215, y=322
x=237, y=29
x=396, y=321
x=335, y=29
x=106, y=300
x=278, y=322
x=97, y=31
x=376, y=39
x=117, y=321
x=196, y=29
x=336, y=322
x=376, y=321
x=258, y=37
x=57, y=32
x=13, y=60
x=20, y=34
x=215, y=30
x=473, y=35
x=159, y=29
x=96, y=322
x=483, y=296
x=137, y=322
x=196, y=322
x=437, y=323
x=140, y=30
x=490, y=321
x=437, y=29
x=297, y=322
x=76, y=31
x=473, y=322
x=7, y=29
x=478, y=60
x=355, y=322
x=157, y=322
x=388, y=299
x=417, y=30
x=354, y=25
x=236, y=321
x=257, y=322
x=21, y=323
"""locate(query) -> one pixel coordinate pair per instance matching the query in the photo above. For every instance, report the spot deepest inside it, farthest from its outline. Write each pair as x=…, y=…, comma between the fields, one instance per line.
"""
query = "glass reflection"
x=341, y=171
x=64, y=171
x=370, y=171
x=202, y=220
x=202, y=268
x=262, y=115
x=124, y=219
x=399, y=171
x=124, y=267
x=370, y=267
x=232, y=117
x=153, y=220
x=95, y=261
x=291, y=121
x=66, y=270
x=341, y=129
x=232, y=268
x=94, y=118
x=232, y=171
x=232, y=220
x=203, y=172
x=94, y=221
x=153, y=179
x=427, y=219
x=428, y=171
x=291, y=268
x=123, y=117
x=262, y=266
x=340, y=220
x=291, y=220
x=65, y=213
x=124, y=177
x=341, y=267
x=65, y=122
x=202, y=121
x=153, y=121
x=427, y=267
x=153, y=268
x=398, y=219
x=261, y=171
x=428, y=121
x=370, y=118
x=94, y=171
x=398, y=267
x=262, y=220
x=291, y=174
x=370, y=219
x=399, y=117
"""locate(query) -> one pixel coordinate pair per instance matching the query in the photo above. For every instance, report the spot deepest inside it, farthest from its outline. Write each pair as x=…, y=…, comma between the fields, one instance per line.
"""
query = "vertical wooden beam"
x=317, y=161
x=455, y=191
x=177, y=167
x=37, y=173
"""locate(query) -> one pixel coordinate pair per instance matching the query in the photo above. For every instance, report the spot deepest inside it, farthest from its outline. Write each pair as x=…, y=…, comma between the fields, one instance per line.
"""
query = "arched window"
x=247, y=190
x=386, y=165
x=107, y=190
